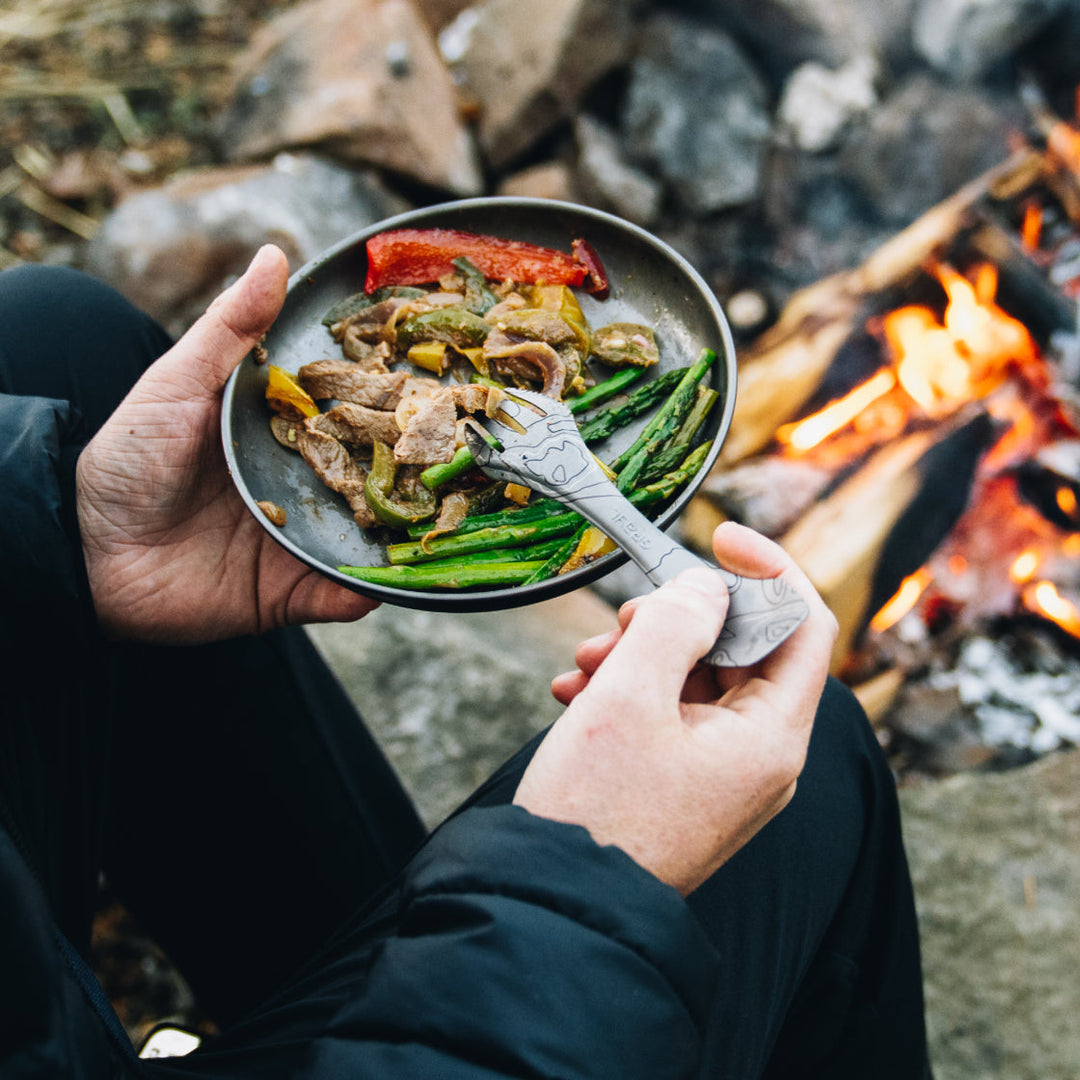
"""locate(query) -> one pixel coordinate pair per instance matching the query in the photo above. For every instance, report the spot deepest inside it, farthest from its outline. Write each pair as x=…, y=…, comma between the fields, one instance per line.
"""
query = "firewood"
x=878, y=694
x=784, y=368
x=1023, y=285
x=768, y=493
x=881, y=524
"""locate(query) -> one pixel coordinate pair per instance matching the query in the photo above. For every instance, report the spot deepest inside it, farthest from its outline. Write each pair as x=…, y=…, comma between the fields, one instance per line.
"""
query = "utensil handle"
x=761, y=612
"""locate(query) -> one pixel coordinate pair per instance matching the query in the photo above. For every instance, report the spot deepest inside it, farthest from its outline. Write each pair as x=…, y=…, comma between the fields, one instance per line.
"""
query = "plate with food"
x=345, y=430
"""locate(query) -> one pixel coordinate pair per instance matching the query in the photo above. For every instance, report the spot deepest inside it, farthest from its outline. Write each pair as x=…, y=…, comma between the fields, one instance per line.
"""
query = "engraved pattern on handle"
x=551, y=458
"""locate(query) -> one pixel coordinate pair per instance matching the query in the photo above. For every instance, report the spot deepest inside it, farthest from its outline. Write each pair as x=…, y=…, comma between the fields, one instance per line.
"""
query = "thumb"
x=232, y=324
x=671, y=630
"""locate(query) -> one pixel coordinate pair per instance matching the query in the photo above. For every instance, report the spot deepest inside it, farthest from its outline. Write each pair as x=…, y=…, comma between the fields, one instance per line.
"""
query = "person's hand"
x=172, y=553
x=677, y=763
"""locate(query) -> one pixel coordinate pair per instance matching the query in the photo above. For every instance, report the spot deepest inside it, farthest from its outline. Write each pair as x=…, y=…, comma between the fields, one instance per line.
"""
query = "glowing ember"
x=1066, y=500
x=1043, y=599
x=1063, y=141
x=1024, y=566
x=904, y=599
x=1031, y=228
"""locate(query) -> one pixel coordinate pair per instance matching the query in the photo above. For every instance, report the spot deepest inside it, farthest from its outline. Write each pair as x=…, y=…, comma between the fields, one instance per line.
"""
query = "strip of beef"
x=430, y=434
x=347, y=382
x=285, y=430
x=357, y=425
x=369, y=357
x=337, y=470
x=371, y=323
x=528, y=360
x=474, y=398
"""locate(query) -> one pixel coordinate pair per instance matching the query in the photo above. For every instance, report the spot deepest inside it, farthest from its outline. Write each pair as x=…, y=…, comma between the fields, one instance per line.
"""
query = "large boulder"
x=965, y=39
x=925, y=141
x=996, y=873
x=697, y=112
x=451, y=696
x=171, y=249
x=362, y=79
x=528, y=66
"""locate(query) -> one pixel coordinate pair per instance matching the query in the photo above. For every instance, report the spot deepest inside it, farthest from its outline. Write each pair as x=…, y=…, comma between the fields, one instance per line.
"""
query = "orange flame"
x=1042, y=598
x=809, y=432
x=902, y=601
x=939, y=363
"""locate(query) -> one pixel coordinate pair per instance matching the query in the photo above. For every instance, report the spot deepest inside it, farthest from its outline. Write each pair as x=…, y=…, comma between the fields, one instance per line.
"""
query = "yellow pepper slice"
x=286, y=396
x=429, y=355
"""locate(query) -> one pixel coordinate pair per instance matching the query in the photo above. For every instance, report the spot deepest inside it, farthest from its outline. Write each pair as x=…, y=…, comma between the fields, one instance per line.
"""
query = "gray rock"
x=966, y=38
x=697, y=113
x=831, y=32
x=451, y=696
x=994, y=859
x=926, y=140
x=362, y=79
x=608, y=180
x=528, y=73
x=172, y=249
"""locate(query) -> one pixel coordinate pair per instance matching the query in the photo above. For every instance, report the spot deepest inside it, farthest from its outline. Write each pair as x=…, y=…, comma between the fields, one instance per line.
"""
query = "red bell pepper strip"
x=595, y=274
x=418, y=256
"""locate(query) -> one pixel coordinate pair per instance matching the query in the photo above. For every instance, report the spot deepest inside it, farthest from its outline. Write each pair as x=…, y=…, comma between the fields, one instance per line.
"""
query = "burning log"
x=783, y=371
x=1024, y=286
x=879, y=526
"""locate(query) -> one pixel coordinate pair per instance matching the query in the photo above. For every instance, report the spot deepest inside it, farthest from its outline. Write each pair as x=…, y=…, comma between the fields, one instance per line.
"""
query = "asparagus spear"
x=519, y=515
x=663, y=425
x=527, y=553
x=644, y=397
x=544, y=526
x=558, y=557
x=605, y=391
x=460, y=575
x=678, y=445
x=413, y=551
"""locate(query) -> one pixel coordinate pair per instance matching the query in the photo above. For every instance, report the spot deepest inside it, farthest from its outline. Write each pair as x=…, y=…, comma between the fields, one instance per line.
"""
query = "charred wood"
x=880, y=525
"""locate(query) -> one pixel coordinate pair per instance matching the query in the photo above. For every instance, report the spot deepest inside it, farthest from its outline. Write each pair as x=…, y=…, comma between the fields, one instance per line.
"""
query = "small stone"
x=548, y=180
x=171, y=249
x=609, y=180
x=747, y=310
x=818, y=102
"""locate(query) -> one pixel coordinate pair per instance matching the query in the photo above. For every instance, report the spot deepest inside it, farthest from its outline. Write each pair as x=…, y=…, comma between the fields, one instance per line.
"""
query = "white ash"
x=1015, y=704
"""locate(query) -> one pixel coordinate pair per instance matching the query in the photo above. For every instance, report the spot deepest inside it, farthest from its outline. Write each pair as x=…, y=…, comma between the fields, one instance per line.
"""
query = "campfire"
x=910, y=432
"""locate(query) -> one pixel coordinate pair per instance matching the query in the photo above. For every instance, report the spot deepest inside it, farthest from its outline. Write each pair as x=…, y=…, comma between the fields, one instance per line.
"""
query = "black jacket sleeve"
x=50, y=667
x=517, y=948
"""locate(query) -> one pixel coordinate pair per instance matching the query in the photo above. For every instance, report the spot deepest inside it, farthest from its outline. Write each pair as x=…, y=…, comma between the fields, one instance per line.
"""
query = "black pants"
x=240, y=809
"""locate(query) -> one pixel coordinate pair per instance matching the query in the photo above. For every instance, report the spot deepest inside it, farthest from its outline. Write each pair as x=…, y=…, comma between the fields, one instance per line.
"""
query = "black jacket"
x=515, y=946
